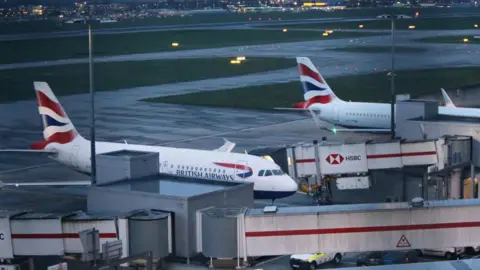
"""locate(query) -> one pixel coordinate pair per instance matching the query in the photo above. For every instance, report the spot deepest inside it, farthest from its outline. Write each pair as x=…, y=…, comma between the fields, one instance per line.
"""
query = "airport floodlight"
x=360, y=26
x=411, y=27
x=174, y=44
x=465, y=40
x=285, y=30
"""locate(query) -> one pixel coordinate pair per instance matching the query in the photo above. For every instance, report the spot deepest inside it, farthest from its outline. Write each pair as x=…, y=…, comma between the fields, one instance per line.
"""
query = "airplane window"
x=183, y=167
x=214, y=170
x=261, y=172
x=196, y=168
x=268, y=173
x=210, y=169
x=171, y=166
x=277, y=172
x=224, y=171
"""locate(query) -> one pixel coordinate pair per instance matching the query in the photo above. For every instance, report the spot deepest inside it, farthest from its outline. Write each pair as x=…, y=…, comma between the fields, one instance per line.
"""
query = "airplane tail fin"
x=57, y=127
x=315, y=88
x=447, y=100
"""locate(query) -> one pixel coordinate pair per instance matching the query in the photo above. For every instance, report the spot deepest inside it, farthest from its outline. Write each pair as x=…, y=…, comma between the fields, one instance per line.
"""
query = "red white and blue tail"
x=315, y=88
x=57, y=127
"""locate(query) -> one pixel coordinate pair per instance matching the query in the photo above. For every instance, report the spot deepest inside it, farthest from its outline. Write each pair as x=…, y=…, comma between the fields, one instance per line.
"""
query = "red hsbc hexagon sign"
x=334, y=159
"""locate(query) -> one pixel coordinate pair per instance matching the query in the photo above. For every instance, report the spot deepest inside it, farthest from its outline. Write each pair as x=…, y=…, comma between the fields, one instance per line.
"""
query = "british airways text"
x=215, y=176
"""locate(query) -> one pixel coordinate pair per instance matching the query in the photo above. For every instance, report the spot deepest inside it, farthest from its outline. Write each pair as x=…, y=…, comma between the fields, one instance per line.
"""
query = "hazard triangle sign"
x=403, y=242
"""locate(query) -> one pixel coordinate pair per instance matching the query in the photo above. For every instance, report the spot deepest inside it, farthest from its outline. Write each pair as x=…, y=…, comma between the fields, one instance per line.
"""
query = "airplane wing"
x=226, y=147
x=27, y=151
x=448, y=101
x=64, y=183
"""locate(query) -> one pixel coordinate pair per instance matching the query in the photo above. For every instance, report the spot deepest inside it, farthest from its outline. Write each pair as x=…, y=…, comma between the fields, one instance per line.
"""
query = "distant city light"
x=235, y=62
x=465, y=40
x=285, y=30
x=174, y=44
x=360, y=26
x=241, y=58
x=330, y=31
x=411, y=27
x=325, y=34
x=475, y=25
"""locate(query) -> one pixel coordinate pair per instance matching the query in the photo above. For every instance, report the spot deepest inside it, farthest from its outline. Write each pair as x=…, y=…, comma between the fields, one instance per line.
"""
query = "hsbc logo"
x=335, y=159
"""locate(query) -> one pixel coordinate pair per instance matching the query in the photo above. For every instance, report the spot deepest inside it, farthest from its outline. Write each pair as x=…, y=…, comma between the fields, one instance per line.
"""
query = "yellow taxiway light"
x=235, y=62
x=475, y=25
x=241, y=58
x=174, y=44
x=411, y=27
x=285, y=30
x=465, y=40
x=360, y=26
x=325, y=34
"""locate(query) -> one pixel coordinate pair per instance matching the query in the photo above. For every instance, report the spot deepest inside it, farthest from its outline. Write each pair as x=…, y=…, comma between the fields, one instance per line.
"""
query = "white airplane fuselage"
x=372, y=115
x=203, y=164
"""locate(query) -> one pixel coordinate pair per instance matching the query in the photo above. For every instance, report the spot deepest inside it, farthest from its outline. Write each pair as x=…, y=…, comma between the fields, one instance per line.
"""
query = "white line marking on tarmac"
x=27, y=168
x=271, y=260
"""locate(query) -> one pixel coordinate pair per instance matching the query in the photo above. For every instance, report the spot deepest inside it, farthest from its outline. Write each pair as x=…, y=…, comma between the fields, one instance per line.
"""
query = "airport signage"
x=341, y=159
x=6, y=250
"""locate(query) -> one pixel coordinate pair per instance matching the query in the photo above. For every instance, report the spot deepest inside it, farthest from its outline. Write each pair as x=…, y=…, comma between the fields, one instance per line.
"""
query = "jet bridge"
x=353, y=228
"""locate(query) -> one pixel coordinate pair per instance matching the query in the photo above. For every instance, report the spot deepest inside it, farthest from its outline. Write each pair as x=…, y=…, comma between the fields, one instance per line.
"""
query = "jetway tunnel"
x=355, y=228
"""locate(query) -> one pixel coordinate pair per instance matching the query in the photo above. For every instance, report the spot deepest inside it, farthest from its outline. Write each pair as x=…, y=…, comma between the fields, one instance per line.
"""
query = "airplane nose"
x=291, y=185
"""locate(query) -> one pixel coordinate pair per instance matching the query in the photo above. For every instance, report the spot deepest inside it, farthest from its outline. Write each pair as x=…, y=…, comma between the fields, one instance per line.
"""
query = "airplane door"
x=74, y=156
x=241, y=170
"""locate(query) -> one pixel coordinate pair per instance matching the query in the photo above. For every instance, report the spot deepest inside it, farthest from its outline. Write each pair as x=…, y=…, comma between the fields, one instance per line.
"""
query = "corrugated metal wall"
x=236, y=197
x=149, y=234
x=219, y=232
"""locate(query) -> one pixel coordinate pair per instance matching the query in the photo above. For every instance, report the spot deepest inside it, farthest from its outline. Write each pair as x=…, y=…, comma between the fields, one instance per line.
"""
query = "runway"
x=437, y=54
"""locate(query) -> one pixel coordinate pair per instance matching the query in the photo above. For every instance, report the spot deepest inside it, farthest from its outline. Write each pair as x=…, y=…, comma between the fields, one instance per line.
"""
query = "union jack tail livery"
x=315, y=89
x=57, y=127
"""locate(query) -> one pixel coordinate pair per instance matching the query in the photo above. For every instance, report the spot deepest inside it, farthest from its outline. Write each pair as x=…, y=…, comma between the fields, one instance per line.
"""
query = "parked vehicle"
x=387, y=257
x=311, y=261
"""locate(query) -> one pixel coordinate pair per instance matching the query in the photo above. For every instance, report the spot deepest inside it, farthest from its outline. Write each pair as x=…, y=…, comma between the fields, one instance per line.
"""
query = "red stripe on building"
x=412, y=154
x=365, y=229
x=56, y=235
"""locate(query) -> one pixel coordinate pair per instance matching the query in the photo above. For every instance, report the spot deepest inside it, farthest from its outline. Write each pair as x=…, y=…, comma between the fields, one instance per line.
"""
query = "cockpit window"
x=277, y=172
x=268, y=173
x=261, y=172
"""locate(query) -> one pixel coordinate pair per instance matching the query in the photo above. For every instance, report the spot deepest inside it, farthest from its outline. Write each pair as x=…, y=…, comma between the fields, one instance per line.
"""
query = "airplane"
x=66, y=146
x=322, y=103
x=448, y=101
